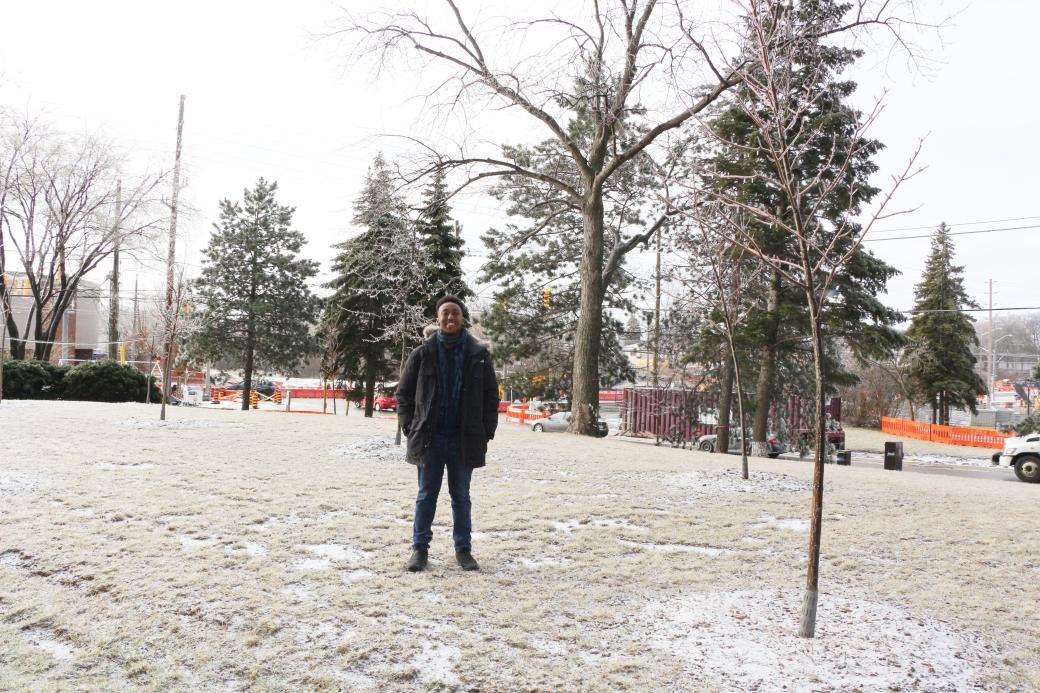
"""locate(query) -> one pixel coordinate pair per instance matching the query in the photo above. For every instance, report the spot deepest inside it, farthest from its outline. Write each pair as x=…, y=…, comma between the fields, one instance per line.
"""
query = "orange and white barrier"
x=521, y=414
x=951, y=435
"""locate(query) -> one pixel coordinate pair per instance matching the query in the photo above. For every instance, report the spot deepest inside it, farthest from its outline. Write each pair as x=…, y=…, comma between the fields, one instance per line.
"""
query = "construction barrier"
x=277, y=396
x=315, y=393
x=951, y=435
x=521, y=414
x=254, y=399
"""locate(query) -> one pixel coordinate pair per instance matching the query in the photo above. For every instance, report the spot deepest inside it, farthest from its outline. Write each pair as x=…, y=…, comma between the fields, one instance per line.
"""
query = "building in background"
x=79, y=329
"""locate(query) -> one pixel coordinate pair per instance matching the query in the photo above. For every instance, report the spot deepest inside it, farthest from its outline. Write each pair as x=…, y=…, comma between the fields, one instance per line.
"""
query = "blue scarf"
x=451, y=352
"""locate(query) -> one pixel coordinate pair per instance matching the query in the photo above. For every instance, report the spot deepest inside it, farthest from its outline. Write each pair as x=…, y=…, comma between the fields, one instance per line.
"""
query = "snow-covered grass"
x=232, y=550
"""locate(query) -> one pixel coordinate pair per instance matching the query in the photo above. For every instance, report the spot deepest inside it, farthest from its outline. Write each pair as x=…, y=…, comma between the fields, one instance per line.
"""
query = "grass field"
x=226, y=550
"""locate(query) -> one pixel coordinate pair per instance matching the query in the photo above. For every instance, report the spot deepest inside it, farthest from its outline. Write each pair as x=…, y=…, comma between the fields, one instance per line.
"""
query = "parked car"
x=503, y=406
x=709, y=442
x=380, y=403
x=560, y=421
x=264, y=387
x=1022, y=453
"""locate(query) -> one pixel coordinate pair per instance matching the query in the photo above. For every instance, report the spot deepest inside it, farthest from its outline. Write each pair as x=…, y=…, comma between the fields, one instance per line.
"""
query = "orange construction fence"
x=521, y=414
x=953, y=435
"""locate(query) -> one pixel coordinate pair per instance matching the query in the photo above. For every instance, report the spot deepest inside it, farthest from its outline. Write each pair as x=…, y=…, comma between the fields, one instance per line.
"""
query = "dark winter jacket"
x=418, y=402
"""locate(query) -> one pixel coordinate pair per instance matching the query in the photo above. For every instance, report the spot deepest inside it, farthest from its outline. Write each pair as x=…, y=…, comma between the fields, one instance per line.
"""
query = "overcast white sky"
x=265, y=99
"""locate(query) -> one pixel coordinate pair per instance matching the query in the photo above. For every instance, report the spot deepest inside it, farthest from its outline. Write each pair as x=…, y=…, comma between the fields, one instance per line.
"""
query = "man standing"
x=448, y=403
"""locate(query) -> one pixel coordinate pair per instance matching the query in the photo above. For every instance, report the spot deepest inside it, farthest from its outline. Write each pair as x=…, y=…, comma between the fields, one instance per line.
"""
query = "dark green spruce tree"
x=380, y=290
x=442, y=239
x=257, y=311
x=942, y=336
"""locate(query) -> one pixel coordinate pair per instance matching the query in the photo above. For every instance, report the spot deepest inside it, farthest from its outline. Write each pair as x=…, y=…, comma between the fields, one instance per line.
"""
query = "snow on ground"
x=239, y=550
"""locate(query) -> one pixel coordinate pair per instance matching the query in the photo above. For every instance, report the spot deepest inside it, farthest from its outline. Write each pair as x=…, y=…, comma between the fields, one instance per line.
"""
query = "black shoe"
x=418, y=560
x=466, y=560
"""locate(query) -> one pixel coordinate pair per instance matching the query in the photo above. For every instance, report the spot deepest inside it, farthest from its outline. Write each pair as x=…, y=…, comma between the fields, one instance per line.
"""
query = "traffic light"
x=546, y=296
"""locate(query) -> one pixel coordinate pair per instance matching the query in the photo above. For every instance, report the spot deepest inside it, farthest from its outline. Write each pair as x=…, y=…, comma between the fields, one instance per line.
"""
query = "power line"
x=965, y=310
x=955, y=233
x=961, y=223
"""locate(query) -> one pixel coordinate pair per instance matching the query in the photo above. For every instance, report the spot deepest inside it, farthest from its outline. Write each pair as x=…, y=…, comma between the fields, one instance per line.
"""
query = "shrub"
x=108, y=381
x=25, y=379
x=1030, y=424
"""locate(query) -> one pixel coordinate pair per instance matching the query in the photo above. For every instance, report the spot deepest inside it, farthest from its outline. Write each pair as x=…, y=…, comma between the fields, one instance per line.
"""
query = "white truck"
x=1023, y=454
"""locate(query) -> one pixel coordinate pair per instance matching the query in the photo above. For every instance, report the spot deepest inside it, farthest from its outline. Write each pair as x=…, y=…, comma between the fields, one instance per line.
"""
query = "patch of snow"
x=349, y=576
x=355, y=680
x=17, y=484
x=171, y=424
x=436, y=662
x=790, y=524
x=48, y=641
x=13, y=404
x=191, y=543
x=337, y=552
x=549, y=647
x=251, y=548
x=298, y=591
x=373, y=448
x=15, y=559
x=123, y=465
x=568, y=526
x=748, y=640
x=730, y=481
x=266, y=525
x=309, y=634
x=539, y=563
x=673, y=548
x=85, y=512
x=312, y=564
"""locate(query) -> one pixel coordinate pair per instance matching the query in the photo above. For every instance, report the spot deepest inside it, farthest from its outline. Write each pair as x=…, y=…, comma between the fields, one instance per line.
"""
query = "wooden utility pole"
x=113, y=308
x=137, y=325
x=657, y=314
x=170, y=258
x=990, y=340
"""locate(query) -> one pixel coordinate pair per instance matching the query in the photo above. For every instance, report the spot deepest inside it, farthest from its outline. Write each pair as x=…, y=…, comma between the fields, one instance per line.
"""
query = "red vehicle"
x=381, y=403
x=503, y=406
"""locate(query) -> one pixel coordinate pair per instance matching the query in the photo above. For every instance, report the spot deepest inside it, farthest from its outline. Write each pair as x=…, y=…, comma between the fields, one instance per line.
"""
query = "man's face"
x=449, y=319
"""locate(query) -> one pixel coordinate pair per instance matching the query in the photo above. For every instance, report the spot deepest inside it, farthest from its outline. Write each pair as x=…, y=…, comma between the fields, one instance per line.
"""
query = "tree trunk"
x=725, y=404
x=807, y=628
x=585, y=379
x=766, y=370
x=247, y=376
x=370, y=386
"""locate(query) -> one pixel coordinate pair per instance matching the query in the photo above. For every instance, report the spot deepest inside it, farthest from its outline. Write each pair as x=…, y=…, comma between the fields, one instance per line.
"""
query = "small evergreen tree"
x=380, y=287
x=942, y=336
x=443, y=242
x=257, y=310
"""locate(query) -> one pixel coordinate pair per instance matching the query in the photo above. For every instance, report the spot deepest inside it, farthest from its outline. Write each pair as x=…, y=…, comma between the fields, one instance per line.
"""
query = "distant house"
x=80, y=326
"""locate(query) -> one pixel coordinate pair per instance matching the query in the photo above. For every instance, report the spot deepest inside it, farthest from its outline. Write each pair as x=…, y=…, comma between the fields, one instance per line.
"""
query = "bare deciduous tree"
x=774, y=98
x=57, y=206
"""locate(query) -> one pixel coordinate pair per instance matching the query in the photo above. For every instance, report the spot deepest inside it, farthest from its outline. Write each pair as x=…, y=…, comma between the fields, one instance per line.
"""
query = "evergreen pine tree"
x=443, y=242
x=257, y=310
x=942, y=336
x=380, y=288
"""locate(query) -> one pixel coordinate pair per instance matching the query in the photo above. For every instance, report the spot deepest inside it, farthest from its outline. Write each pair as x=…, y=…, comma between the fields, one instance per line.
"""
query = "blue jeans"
x=445, y=451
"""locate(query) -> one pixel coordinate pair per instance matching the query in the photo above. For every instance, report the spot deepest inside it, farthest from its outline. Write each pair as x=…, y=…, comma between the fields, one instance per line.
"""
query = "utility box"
x=894, y=455
x=843, y=457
